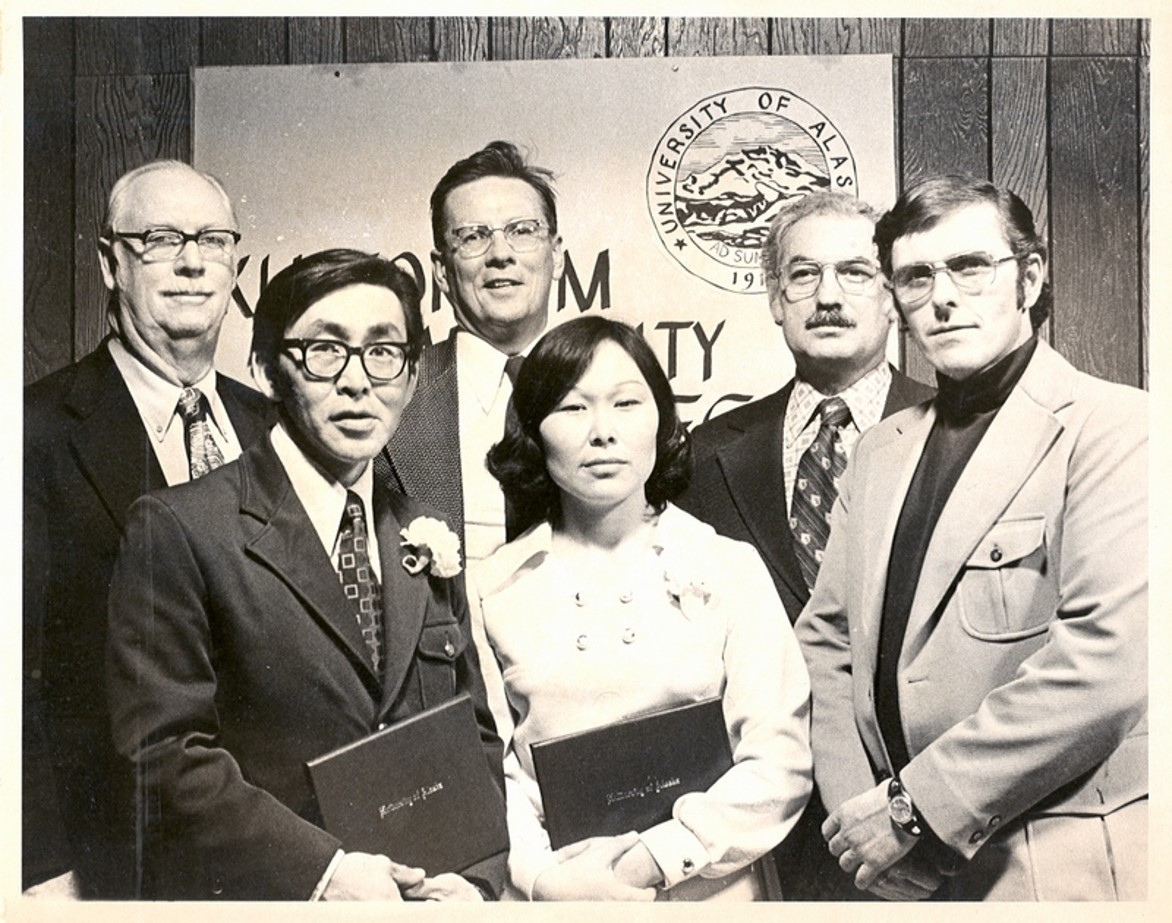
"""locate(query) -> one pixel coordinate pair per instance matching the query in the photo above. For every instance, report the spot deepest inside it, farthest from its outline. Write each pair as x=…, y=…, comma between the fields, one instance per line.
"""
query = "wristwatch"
x=902, y=810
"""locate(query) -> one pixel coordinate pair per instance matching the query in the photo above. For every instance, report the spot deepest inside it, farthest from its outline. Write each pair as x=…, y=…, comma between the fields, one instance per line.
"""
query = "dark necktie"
x=203, y=455
x=513, y=527
x=358, y=580
x=816, y=487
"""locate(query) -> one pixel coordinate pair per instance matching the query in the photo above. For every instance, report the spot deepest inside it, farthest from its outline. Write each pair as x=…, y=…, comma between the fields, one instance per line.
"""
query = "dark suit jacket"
x=234, y=659
x=86, y=458
x=738, y=488
x=422, y=459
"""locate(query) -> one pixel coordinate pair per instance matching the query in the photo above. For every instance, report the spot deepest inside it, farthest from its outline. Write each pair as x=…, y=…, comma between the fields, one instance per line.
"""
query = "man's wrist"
x=902, y=809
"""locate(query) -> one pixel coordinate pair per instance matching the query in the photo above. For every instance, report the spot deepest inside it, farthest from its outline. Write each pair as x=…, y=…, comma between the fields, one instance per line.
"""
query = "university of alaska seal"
x=725, y=167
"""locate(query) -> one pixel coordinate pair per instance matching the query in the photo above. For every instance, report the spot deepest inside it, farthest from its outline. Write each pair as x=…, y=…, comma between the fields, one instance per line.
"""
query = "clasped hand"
x=862, y=837
x=602, y=868
x=362, y=876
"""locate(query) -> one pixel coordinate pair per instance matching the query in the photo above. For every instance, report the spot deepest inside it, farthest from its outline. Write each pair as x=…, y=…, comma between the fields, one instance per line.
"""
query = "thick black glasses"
x=160, y=244
x=325, y=360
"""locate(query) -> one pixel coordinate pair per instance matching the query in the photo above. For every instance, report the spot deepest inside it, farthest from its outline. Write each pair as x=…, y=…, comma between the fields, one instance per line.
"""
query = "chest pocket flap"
x=1008, y=542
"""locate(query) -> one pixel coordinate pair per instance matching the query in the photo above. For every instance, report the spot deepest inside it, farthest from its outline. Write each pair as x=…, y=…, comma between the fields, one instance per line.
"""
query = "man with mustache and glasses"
x=765, y=472
x=977, y=640
x=497, y=253
x=144, y=410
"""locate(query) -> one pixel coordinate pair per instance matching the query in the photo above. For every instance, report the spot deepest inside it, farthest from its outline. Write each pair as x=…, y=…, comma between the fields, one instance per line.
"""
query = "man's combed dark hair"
x=556, y=364
x=924, y=205
x=499, y=158
x=292, y=291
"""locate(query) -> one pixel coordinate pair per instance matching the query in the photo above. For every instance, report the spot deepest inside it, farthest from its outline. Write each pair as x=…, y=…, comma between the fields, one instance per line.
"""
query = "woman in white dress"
x=616, y=603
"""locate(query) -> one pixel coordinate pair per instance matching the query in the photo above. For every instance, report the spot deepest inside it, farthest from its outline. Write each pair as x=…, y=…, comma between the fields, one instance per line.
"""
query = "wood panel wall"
x=1056, y=109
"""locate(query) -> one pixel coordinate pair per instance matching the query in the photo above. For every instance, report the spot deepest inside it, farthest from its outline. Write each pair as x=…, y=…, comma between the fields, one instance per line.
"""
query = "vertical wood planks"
x=705, y=35
x=392, y=39
x=461, y=38
x=240, y=40
x=148, y=45
x=635, y=37
x=315, y=40
x=1094, y=214
x=531, y=38
x=1145, y=230
x=48, y=196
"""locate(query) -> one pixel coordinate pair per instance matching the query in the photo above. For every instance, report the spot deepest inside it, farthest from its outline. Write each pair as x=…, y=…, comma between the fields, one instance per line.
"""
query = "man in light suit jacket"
x=827, y=295
x=257, y=622
x=977, y=640
x=97, y=435
x=497, y=253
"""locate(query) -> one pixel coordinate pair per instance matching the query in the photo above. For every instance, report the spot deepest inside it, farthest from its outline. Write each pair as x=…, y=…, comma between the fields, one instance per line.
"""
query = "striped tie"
x=203, y=455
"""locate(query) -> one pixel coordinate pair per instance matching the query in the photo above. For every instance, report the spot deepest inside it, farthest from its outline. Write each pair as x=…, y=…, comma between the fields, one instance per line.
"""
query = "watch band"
x=902, y=810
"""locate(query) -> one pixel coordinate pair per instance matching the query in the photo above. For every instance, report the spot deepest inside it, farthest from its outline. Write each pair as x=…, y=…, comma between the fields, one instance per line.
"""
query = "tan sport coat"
x=1022, y=678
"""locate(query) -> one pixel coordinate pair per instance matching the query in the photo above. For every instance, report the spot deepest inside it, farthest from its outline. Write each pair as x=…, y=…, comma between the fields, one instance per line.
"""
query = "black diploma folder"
x=419, y=792
x=628, y=775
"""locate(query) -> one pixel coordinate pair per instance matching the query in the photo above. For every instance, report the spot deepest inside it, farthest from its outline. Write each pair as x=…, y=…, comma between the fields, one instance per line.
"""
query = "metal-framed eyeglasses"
x=163, y=244
x=971, y=273
x=325, y=360
x=801, y=278
x=523, y=235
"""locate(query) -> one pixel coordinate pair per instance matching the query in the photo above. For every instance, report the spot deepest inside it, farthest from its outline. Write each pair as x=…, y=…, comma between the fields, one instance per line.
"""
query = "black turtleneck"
x=964, y=411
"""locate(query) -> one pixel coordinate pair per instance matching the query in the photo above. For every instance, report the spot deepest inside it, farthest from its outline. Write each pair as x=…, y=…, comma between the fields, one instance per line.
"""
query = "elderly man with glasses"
x=269, y=613
x=766, y=472
x=144, y=410
x=977, y=640
x=497, y=253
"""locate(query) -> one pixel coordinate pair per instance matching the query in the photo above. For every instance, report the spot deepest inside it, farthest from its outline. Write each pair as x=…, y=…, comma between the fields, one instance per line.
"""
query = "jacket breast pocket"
x=440, y=649
x=1007, y=590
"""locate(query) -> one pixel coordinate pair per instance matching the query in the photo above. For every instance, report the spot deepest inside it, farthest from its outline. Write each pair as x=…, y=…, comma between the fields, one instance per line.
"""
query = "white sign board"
x=668, y=173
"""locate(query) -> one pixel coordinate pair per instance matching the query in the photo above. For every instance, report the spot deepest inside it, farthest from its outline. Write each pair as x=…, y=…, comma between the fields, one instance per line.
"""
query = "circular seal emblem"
x=725, y=167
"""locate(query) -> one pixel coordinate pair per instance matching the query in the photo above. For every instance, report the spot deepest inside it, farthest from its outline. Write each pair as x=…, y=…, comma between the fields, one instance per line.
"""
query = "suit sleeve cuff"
x=677, y=851
x=324, y=882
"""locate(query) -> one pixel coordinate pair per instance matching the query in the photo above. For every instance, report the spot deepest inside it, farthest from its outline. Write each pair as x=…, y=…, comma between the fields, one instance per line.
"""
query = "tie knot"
x=355, y=511
x=834, y=412
x=513, y=367
x=191, y=403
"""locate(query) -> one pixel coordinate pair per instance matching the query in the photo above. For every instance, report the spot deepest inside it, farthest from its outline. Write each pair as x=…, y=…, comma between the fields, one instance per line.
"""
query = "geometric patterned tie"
x=203, y=455
x=816, y=488
x=358, y=580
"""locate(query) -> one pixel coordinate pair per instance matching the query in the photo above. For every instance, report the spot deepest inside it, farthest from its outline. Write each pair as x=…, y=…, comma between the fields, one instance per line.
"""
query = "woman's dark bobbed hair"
x=557, y=363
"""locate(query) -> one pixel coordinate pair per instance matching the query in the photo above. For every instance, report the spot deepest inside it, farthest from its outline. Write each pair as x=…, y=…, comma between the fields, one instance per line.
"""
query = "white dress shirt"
x=157, y=401
x=484, y=391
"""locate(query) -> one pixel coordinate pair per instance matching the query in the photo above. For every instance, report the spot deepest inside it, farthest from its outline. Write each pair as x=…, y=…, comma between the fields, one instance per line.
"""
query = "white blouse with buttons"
x=696, y=616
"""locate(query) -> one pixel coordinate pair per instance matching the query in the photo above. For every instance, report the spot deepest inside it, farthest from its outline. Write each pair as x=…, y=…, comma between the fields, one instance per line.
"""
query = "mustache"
x=828, y=317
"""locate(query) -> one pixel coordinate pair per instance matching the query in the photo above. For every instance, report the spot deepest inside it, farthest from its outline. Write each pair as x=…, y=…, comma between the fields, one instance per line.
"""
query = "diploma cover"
x=628, y=775
x=419, y=792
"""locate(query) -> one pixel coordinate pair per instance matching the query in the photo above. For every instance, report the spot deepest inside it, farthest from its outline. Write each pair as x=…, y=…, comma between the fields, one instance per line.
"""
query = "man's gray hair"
x=117, y=199
x=813, y=203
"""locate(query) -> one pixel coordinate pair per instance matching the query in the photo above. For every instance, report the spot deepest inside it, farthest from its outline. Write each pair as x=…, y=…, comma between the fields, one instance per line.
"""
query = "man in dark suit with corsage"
x=766, y=472
x=286, y=606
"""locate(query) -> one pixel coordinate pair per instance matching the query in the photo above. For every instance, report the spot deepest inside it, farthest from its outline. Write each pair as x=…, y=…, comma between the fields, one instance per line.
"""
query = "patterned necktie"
x=358, y=580
x=816, y=487
x=203, y=455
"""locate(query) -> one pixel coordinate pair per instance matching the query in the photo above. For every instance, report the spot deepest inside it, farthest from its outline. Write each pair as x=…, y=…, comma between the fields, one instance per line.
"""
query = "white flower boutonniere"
x=685, y=584
x=430, y=543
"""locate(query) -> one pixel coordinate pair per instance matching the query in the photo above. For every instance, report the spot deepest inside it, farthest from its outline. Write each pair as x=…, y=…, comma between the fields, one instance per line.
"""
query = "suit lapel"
x=111, y=444
x=289, y=547
x=890, y=467
x=1015, y=443
x=752, y=468
x=423, y=456
x=405, y=597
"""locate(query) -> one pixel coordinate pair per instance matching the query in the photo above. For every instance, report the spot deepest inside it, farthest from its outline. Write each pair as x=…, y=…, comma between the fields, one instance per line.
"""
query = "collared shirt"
x=157, y=401
x=865, y=398
x=484, y=391
x=325, y=499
